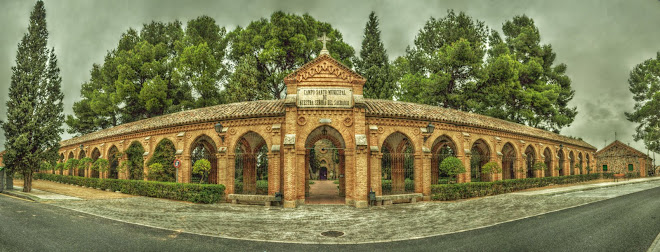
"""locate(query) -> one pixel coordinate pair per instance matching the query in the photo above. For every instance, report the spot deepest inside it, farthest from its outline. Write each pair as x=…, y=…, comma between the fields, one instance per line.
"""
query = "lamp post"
x=218, y=129
x=429, y=130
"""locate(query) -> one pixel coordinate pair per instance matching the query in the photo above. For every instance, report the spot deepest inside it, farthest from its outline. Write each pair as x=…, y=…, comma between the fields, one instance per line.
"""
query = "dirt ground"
x=76, y=191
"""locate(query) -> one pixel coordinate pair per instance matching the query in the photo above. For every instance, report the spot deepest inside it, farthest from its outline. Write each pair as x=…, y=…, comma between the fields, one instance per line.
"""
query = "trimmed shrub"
x=480, y=189
x=452, y=166
x=198, y=193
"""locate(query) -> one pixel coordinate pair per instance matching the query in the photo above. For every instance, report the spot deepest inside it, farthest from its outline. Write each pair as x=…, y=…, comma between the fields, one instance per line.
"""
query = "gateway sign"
x=325, y=98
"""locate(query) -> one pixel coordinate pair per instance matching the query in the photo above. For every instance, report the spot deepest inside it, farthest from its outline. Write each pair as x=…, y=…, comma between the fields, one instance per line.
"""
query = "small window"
x=630, y=167
x=604, y=167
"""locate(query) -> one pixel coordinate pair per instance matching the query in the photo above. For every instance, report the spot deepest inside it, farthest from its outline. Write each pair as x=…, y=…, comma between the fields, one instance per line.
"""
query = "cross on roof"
x=323, y=40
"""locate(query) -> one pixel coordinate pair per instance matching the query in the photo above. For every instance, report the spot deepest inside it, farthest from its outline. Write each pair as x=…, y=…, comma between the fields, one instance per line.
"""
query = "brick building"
x=618, y=157
x=388, y=147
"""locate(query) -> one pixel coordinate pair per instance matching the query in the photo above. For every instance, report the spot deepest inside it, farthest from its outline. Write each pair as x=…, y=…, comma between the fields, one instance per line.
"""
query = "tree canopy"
x=644, y=84
x=373, y=63
x=34, y=109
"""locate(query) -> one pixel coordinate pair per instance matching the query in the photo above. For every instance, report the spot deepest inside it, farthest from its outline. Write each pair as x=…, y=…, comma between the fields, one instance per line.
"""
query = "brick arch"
x=406, y=139
x=479, y=160
x=549, y=156
x=509, y=158
x=314, y=136
x=252, y=148
x=530, y=161
x=437, y=157
x=406, y=131
x=572, y=159
x=81, y=154
x=209, y=144
x=338, y=143
x=241, y=132
x=113, y=162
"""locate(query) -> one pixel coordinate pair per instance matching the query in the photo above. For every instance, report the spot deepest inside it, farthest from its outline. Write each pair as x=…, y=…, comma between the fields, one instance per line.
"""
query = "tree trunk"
x=9, y=181
x=27, y=182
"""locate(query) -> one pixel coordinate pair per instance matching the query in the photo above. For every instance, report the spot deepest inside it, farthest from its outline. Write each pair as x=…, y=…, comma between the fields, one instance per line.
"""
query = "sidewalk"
x=306, y=223
x=38, y=195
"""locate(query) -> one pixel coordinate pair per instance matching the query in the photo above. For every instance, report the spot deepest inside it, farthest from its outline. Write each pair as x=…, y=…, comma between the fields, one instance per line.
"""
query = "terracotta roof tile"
x=374, y=107
x=398, y=109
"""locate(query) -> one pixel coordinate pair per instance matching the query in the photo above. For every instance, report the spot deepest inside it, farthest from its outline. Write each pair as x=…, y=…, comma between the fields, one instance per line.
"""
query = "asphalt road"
x=626, y=223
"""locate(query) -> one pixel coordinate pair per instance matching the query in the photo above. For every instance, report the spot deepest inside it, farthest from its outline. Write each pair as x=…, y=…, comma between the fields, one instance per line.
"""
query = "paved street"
x=626, y=223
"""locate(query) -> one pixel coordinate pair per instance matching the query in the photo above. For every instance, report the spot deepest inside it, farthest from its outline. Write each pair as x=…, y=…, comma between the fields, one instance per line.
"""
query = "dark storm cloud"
x=600, y=41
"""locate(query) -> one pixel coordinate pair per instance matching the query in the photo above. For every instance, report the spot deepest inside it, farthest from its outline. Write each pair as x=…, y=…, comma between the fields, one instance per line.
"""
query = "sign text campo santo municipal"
x=325, y=98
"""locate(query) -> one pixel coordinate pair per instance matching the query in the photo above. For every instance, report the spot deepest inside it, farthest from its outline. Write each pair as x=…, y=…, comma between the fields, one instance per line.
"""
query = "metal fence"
x=437, y=175
x=398, y=173
x=251, y=173
x=476, y=162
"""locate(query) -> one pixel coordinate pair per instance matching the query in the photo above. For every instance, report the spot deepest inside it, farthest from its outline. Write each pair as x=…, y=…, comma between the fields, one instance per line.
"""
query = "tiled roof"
x=625, y=146
x=383, y=108
x=396, y=109
x=207, y=114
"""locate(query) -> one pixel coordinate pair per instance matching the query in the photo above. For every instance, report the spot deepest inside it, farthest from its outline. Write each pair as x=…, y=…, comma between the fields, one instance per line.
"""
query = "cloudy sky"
x=599, y=40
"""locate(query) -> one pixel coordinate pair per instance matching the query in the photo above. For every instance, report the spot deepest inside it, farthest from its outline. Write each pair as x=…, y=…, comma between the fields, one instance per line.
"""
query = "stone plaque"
x=325, y=98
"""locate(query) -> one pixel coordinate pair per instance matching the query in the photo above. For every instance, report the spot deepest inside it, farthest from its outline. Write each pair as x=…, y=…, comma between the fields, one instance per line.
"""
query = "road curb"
x=598, y=187
x=655, y=246
x=21, y=195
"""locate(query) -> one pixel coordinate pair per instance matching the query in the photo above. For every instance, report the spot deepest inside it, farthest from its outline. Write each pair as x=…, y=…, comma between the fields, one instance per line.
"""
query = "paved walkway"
x=324, y=192
x=306, y=224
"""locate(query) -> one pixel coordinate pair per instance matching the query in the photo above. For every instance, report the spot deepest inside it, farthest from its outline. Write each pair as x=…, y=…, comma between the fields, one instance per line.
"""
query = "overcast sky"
x=600, y=41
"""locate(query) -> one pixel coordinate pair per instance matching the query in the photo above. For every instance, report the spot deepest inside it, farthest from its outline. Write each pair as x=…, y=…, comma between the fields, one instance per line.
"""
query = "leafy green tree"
x=282, y=44
x=202, y=167
x=373, y=63
x=34, y=108
x=160, y=69
x=134, y=154
x=452, y=166
x=84, y=164
x=443, y=67
x=59, y=167
x=491, y=168
x=540, y=98
x=244, y=83
x=45, y=166
x=540, y=166
x=644, y=84
x=164, y=154
x=70, y=164
x=101, y=165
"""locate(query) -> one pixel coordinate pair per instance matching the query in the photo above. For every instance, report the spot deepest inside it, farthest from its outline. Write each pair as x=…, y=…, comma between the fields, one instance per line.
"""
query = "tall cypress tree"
x=34, y=109
x=373, y=63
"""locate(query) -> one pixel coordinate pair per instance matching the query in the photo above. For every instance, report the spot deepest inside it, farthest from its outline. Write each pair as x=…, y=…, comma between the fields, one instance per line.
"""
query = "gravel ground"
x=306, y=223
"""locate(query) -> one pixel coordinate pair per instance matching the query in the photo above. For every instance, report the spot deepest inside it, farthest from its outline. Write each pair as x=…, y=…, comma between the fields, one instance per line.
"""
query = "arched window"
x=251, y=165
x=204, y=148
x=398, y=165
x=442, y=148
x=529, y=161
x=479, y=156
x=508, y=161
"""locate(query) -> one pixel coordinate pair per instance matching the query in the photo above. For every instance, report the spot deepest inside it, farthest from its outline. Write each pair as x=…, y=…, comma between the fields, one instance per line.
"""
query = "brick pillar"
x=376, y=183
x=349, y=176
x=290, y=195
x=230, y=176
x=273, y=172
x=361, y=177
x=465, y=177
x=145, y=169
x=426, y=174
x=185, y=170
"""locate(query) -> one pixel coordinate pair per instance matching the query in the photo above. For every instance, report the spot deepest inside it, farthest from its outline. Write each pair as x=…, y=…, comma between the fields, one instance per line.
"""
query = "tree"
x=160, y=69
x=280, y=45
x=84, y=164
x=59, y=167
x=164, y=154
x=644, y=83
x=452, y=166
x=101, y=165
x=202, y=167
x=373, y=63
x=491, y=168
x=540, y=166
x=34, y=108
x=445, y=63
x=540, y=96
x=70, y=164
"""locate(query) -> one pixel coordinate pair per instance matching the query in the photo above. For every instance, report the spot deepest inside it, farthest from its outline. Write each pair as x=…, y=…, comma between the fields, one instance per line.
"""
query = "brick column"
x=274, y=172
x=361, y=176
x=349, y=175
x=426, y=174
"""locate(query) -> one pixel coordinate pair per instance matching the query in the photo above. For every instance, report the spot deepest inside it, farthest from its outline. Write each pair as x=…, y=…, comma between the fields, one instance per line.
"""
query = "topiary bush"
x=198, y=193
x=452, y=166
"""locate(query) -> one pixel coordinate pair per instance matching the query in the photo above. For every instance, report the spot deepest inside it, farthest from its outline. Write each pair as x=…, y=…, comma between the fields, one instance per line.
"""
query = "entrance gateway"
x=262, y=150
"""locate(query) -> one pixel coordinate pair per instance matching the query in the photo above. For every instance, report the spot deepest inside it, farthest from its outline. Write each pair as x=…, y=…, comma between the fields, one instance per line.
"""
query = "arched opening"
x=251, y=165
x=60, y=160
x=562, y=161
x=548, y=162
x=81, y=166
x=508, y=161
x=70, y=168
x=443, y=147
x=479, y=156
x=588, y=164
x=96, y=154
x=530, y=159
x=204, y=148
x=398, y=165
x=113, y=161
x=135, y=161
x=164, y=155
x=571, y=158
x=324, y=143
x=579, y=164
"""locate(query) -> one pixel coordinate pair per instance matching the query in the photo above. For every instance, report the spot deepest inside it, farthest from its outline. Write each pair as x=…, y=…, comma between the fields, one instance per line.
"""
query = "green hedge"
x=480, y=189
x=198, y=193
